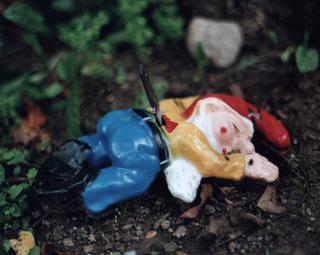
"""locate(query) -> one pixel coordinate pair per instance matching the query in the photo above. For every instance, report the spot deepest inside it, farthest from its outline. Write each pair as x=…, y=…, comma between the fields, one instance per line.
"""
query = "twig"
x=38, y=221
x=306, y=189
x=17, y=179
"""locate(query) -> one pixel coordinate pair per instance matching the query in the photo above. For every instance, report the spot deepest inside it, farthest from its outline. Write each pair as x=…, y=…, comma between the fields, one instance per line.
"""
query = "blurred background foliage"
x=87, y=36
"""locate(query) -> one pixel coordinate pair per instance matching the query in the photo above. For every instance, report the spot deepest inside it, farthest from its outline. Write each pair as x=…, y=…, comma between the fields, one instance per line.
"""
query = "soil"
x=292, y=97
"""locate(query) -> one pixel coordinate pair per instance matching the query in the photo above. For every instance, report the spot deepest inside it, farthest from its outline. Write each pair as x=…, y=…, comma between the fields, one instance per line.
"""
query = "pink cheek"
x=223, y=130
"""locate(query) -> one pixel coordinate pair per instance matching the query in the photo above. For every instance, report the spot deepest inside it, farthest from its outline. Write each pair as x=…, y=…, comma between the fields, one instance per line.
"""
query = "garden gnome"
x=191, y=139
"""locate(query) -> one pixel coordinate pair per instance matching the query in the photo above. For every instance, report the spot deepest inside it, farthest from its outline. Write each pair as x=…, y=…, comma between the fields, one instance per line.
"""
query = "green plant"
x=201, y=61
x=307, y=58
x=13, y=167
x=29, y=85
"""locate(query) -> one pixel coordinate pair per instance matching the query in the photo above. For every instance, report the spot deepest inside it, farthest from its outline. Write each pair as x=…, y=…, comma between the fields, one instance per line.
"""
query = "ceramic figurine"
x=190, y=139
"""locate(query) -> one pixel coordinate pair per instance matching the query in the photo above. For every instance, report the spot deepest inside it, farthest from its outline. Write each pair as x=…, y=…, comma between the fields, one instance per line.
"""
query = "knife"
x=155, y=107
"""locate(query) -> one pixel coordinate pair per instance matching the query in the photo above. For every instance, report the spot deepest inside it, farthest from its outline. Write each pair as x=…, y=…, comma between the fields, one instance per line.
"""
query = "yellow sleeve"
x=189, y=143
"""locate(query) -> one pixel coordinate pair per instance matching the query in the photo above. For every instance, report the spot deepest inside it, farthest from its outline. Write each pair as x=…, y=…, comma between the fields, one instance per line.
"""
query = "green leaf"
x=37, y=77
x=16, y=170
x=64, y=6
x=2, y=175
x=17, y=211
x=53, y=90
x=33, y=42
x=73, y=111
x=285, y=55
x=3, y=202
x=32, y=173
x=21, y=199
x=307, y=59
x=274, y=38
x=35, y=251
x=14, y=85
x=26, y=17
x=18, y=157
x=6, y=244
x=68, y=67
x=26, y=223
x=15, y=225
x=8, y=155
x=15, y=190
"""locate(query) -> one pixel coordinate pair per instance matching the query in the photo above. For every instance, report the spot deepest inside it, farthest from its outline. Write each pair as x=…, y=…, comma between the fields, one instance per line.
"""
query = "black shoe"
x=64, y=174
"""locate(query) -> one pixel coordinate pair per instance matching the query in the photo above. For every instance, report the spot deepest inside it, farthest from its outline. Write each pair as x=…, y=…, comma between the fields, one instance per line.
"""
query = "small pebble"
x=232, y=246
x=68, y=242
x=151, y=234
x=170, y=247
x=180, y=232
x=165, y=224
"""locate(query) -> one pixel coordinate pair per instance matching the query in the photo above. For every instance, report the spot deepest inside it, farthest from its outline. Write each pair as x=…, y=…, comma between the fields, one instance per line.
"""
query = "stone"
x=180, y=232
x=68, y=242
x=170, y=247
x=221, y=40
x=165, y=224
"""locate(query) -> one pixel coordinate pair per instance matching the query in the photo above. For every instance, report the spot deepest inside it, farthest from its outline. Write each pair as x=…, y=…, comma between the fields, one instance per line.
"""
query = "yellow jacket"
x=188, y=142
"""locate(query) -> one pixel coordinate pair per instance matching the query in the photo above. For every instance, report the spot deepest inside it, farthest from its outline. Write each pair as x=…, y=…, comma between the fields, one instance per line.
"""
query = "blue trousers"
x=125, y=151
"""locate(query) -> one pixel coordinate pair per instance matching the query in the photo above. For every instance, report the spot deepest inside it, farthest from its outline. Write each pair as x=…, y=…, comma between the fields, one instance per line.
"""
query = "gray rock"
x=165, y=224
x=180, y=232
x=221, y=40
x=170, y=247
x=68, y=242
x=58, y=233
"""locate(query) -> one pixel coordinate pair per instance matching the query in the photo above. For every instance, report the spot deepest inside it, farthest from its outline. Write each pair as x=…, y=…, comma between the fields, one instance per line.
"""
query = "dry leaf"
x=206, y=192
x=23, y=244
x=50, y=249
x=35, y=117
x=30, y=130
x=222, y=230
x=268, y=201
x=244, y=219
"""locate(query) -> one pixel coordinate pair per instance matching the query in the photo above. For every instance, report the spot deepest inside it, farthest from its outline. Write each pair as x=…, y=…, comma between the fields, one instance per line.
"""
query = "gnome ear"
x=208, y=105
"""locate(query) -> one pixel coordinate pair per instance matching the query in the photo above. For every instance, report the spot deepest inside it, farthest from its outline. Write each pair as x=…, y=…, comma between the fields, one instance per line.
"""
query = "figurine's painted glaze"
x=125, y=150
x=204, y=136
x=271, y=128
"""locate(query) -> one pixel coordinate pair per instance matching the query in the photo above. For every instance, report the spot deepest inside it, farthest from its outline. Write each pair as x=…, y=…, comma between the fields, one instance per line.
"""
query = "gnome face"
x=226, y=130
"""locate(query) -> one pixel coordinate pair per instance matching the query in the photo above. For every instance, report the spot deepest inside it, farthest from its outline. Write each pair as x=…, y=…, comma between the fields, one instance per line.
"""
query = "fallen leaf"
x=151, y=234
x=23, y=244
x=244, y=219
x=220, y=226
x=223, y=230
x=35, y=117
x=30, y=130
x=269, y=203
x=206, y=192
x=227, y=190
x=50, y=249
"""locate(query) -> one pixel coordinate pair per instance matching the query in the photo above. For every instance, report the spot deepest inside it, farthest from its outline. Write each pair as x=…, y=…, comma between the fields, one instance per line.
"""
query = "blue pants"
x=125, y=151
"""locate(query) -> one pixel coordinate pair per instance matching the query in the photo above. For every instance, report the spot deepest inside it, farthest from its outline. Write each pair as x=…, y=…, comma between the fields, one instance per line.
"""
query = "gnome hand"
x=183, y=180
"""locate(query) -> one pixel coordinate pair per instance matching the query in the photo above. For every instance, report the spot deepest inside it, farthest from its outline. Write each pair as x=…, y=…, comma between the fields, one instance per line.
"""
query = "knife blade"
x=153, y=101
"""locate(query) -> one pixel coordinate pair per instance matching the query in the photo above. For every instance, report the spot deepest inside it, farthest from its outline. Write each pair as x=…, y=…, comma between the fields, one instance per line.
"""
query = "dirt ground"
x=293, y=98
